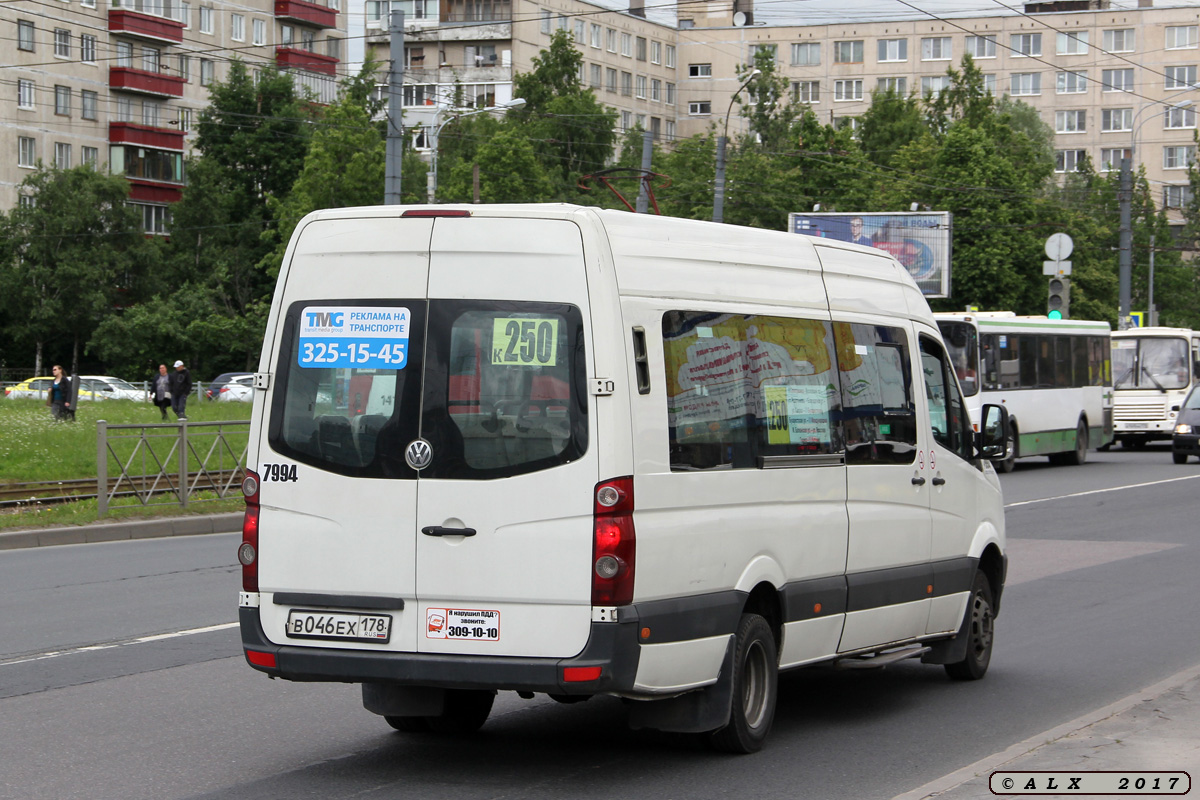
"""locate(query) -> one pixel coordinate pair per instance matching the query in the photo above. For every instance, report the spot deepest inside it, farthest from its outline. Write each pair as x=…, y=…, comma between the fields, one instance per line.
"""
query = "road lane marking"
x=1100, y=491
x=91, y=648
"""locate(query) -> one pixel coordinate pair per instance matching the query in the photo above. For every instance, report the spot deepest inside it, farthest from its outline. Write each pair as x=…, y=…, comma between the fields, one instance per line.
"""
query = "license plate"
x=332, y=625
x=1137, y=426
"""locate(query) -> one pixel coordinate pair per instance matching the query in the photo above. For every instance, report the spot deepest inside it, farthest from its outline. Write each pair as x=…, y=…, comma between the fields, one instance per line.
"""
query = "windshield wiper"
x=1161, y=388
x=1117, y=383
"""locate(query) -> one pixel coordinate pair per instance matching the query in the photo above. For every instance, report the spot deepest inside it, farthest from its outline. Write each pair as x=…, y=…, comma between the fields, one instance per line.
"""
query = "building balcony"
x=294, y=58
x=145, y=136
x=128, y=79
x=143, y=191
x=306, y=13
x=144, y=26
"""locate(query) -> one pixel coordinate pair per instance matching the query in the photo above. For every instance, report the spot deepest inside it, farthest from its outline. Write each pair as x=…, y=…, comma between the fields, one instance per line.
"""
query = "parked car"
x=237, y=390
x=214, y=387
x=32, y=389
x=106, y=387
x=1186, y=441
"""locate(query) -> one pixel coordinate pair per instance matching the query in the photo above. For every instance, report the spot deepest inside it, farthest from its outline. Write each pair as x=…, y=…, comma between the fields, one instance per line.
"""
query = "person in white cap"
x=181, y=387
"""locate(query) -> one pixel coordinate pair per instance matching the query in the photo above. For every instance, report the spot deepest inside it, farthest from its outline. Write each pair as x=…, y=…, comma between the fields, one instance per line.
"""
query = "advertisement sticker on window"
x=366, y=337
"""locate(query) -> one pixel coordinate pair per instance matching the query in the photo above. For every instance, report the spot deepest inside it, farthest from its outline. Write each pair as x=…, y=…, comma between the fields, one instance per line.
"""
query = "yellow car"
x=36, y=388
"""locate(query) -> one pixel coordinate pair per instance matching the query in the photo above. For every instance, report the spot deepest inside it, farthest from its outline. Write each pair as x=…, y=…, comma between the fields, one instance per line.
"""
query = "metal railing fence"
x=170, y=463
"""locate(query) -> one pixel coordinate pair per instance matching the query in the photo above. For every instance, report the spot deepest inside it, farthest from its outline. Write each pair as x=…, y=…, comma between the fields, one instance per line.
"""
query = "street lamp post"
x=1125, y=232
x=719, y=187
x=431, y=181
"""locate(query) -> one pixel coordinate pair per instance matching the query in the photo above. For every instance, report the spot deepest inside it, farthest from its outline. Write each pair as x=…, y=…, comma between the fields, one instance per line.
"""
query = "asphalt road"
x=121, y=676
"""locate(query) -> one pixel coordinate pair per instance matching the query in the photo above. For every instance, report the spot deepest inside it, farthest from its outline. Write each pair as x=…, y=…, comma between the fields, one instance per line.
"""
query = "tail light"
x=248, y=550
x=613, y=543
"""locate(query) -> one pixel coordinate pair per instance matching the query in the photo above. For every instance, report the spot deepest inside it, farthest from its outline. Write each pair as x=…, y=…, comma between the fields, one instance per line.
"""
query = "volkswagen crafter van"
x=561, y=450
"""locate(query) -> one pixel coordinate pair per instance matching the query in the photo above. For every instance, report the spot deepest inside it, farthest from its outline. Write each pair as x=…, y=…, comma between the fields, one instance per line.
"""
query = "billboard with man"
x=919, y=240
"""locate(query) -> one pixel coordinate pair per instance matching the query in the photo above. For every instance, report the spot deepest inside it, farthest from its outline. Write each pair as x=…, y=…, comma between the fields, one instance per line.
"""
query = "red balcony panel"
x=145, y=136
x=308, y=13
x=149, y=192
x=138, y=80
x=144, y=26
x=291, y=58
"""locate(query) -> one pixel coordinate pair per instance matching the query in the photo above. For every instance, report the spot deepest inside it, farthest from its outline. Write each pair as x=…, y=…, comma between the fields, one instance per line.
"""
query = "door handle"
x=438, y=530
x=939, y=481
x=918, y=481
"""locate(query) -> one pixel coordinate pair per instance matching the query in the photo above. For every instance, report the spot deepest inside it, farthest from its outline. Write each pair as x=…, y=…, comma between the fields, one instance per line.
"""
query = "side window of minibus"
x=947, y=413
x=879, y=413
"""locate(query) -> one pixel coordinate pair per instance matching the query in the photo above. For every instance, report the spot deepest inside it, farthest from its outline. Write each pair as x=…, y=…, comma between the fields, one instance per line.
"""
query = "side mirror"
x=991, y=442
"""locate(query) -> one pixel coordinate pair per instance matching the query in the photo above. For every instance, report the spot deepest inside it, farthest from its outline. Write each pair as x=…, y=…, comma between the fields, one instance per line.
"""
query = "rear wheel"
x=755, y=687
x=1079, y=454
x=978, y=628
x=408, y=724
x=465, y=711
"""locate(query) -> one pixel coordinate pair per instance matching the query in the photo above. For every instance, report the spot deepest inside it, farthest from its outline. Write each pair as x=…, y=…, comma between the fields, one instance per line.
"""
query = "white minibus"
x=561, y=450
x=1153, y=370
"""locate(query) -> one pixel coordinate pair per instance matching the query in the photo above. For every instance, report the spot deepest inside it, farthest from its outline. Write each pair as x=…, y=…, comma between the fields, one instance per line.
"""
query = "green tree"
x=69, y=257
x=509, y=171
x=766, y=105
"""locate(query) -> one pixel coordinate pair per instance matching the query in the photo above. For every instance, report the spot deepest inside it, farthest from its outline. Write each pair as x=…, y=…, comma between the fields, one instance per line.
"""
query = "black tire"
x=1077, y=456
x=465, y=711
x=408, y=724
x=1179, y=458
x=1010, y=461
x=755, y=688
x=978, y=628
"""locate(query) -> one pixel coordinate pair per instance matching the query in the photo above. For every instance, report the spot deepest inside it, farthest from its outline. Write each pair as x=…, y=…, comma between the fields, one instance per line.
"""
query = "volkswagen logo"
x=418, y=454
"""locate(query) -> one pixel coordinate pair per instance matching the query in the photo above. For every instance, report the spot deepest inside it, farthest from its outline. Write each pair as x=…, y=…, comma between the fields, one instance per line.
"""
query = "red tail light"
x=248, y=549
x=613, y=543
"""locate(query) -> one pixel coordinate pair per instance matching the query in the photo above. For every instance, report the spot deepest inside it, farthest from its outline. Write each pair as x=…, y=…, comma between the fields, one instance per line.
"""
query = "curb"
x=118, y=531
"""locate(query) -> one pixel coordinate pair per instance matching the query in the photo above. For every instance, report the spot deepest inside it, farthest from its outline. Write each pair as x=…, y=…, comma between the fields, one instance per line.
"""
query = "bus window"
x=1063, y=377
x=1028, y=353
x=1079, y=360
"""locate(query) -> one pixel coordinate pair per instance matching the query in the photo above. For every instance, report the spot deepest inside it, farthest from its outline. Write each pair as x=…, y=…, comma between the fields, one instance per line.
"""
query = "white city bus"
x=1052, y=375
x=1153, y=369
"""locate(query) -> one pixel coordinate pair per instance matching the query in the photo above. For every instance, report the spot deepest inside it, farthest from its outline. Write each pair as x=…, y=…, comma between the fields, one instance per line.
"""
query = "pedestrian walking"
x=181, y=387
x=160, y=391
x=58, y=396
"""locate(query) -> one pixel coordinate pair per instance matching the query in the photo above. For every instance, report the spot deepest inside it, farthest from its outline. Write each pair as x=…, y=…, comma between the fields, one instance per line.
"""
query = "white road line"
x=1100, y=491
x=91, y=648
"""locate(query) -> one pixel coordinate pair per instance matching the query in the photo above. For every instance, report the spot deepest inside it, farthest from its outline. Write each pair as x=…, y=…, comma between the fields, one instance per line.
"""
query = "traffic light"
x=1059, y=302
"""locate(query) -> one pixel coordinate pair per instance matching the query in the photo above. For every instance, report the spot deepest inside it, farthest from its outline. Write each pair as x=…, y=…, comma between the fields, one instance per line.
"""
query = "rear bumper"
x=612, y=646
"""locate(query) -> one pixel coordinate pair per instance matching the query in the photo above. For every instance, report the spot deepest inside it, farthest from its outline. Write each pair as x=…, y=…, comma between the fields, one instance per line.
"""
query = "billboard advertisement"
x=920, y=240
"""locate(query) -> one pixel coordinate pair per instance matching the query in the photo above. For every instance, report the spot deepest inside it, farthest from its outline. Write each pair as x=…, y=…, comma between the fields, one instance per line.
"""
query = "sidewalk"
x=1157, y=729
x=117, y=530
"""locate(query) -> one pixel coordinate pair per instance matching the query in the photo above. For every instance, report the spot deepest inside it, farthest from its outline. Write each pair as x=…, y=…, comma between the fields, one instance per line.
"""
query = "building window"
x=806, y=54
x=308, y=41
x=897, y=85
x=333, y=49
x=1117, y=80
x=670, y=94
x=580, y=29
x=89, y=157
x=124, y=54
x=1025, y=83
x=640, y=49
x=1181, y=77
x=1179, y=156
x=62, y=43
x=1116, y=119
x=981, y=46
x=936, y=48
x=26, y=152
x=1119, y=41
x=25, y=35
x=184, y=66
x=206, y=19
x=1026, y=44
x=124, y=109
x=287, y=35
x=655, y=128
x=640, y=92
x=656, y=90
x=771, y=50
x=848, y=90
x=806, y=91
x=670, y=59
x=150, y=59
x=889, y=50
x=1110, y=158
x=87, y=48
x=62, y=101
x=627, y=45
x=237, y=27
x=596, y=33
x=1072, y=82
x=700, y=107
x=610, y=79
x=479, y=95
x=62, y=155
x=989, y=83
x=1183, y=37
x=563, y=24
x=597, y=72
x=655, y=52
x=1072, y=44
x=150, y=113
x=610, y=40
x=1070, y=121
x=206, y=72
x=626, y=120
x=1177, y=196
x=1180, y=118
x=25, y=201
x=88, y=103
x=25, y=94
x=185, y=15
x=699, y=70
x=185, y=120
x=626, y=84
x=155, y=219
x=547, y=19
x=934, y=84
x=848, y=52
x=259, y=28
x=88, y=3
x=670, y=130
x=1068, y=160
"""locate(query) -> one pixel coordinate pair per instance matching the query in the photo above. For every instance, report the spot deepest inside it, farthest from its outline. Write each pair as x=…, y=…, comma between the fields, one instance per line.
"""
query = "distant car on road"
x=1186, y=440
x=237, y=390
x=214, y=387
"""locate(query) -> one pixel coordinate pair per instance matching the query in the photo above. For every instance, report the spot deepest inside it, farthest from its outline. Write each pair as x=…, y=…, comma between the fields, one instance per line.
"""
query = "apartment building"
x=121, y=82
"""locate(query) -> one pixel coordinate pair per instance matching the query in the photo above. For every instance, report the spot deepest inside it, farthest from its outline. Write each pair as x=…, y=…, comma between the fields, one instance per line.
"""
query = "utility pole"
x=643, y=199
x=395, y=105
x=1125, y=246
